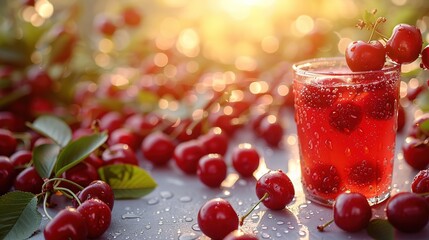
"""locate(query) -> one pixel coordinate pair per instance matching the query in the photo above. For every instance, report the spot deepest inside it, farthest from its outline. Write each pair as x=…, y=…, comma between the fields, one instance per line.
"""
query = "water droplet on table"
x=166, y=194
x=130, y=216
x=152, y=201
x=188, y=236
x=185, y=199
x=195, y=227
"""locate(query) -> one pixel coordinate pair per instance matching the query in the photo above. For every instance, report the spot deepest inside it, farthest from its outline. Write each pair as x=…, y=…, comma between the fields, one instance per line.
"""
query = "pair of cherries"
x=218, y=220
x=404, y=46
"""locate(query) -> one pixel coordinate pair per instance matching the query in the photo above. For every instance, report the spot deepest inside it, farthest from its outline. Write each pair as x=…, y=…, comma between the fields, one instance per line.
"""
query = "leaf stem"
x=253, y=208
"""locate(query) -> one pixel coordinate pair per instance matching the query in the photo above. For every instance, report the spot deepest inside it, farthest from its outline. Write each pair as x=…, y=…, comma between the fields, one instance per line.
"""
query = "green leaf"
x=127, y=181
x=53, y=128
x=19, y=217
x=78, y=150
x=381, y=229
x=44, y=159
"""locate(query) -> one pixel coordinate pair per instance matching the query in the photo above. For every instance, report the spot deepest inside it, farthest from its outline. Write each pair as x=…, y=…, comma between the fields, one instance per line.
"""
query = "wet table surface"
x=170, y=211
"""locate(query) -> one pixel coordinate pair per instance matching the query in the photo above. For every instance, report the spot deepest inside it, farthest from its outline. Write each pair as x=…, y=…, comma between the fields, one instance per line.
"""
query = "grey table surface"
x=170, y=211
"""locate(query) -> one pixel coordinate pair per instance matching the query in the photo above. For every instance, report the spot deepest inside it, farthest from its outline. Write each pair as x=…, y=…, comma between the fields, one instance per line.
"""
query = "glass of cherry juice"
x=346, y=124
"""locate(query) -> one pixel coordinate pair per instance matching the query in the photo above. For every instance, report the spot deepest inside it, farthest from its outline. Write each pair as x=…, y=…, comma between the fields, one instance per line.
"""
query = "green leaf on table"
x=78, y=150
x=127, y=181
x=380, y=229
x=44, y=159
x=19, y=217
x=53, y=128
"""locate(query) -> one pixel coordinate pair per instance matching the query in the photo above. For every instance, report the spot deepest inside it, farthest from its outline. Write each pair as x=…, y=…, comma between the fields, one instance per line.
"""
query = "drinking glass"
x=346, y=125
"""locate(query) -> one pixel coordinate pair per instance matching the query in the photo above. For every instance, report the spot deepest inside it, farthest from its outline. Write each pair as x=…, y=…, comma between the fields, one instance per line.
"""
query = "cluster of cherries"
x=89, y=217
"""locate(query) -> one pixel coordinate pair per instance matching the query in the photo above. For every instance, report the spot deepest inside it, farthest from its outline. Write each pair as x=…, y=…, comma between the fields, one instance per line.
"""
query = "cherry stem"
x=321, y=228
x=374, y=29
x=69, y=192
x=45, y=202
x=253, y=208
x=58, y=180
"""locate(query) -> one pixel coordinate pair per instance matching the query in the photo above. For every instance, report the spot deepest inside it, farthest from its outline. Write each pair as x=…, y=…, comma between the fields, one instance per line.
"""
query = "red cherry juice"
x=346, y=125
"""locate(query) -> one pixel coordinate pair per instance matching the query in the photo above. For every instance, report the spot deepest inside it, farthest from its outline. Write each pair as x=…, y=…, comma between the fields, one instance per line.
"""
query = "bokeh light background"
x=182, y=40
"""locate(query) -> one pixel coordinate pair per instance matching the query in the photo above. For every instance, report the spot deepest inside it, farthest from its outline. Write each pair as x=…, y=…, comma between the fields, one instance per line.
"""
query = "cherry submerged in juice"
x=346, y=129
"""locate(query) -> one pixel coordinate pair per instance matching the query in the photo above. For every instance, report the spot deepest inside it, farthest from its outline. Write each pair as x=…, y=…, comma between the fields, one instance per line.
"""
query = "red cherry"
x=407, y=212
x=97, y=189
x=29, y=181
x=240, y=235
x=217, y=218
x=380, y=107
x=214, y=141
x=245, y=159
x=425, y=57
x=7, y=174
x=271, y=130
x=8, y=142
x=323, y=178
x=364, y=173
x=416, y=153
x=81, y=132
x=226, y=122
x=20, y=159
x=97, y=216
x=105, y=26
x=188, y=131
x=317, y=96
x=131, y=16
x=39, y=81
x=279, y=188
x=158, y=148
x=111, y=121
x=94, y=160
x=119, y=154
x=83, y=174
x=364, y=56
x=405, y=44
x=41, y=105
x=67, y=224
x=187, y=155
x=12, y=122
x=352, y=212
x=420, y=183
x=345, y=117
x=124, y=136
x=141, y=124
x=212, y=170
